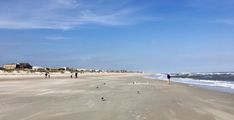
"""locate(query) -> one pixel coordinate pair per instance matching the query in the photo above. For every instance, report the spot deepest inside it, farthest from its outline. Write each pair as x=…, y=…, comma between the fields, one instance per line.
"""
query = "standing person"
x=46, y=75
x=71, y=75
x=76, y=74
x=169, y=78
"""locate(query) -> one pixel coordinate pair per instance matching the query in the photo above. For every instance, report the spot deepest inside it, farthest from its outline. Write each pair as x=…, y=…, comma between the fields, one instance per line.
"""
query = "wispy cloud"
x=224, y=21
x=67, y=14
x=55, y=38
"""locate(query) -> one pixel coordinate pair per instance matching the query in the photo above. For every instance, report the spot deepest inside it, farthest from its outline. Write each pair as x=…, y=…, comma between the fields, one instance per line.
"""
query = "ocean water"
x=219, y=81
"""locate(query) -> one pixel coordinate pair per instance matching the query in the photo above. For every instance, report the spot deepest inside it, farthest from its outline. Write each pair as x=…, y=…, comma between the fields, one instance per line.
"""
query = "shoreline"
x=215, y=85
x=41, y=76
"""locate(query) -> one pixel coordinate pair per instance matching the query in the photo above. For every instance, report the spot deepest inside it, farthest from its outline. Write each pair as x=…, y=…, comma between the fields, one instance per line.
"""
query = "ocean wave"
x=214, y=80
x=220, y=76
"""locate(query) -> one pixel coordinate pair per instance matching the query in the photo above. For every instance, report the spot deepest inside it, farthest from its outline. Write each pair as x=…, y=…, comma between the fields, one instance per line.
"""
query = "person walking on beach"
x=76, y=74
x=46, y=75
x=71, y=76
x=169, y=78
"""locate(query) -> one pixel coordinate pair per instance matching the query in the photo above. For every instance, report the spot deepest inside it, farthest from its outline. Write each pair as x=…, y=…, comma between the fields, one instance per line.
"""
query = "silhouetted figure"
x=49, y=75
x=46, y=75
x=71, y=76
x=76, y=74
x=169, y=78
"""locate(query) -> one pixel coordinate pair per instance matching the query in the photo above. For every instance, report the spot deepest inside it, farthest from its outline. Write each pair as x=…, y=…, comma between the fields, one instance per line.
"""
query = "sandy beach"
x=63, y=98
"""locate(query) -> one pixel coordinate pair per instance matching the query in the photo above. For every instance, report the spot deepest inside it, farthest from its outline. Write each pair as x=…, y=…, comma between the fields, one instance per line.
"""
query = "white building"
x=36, y=68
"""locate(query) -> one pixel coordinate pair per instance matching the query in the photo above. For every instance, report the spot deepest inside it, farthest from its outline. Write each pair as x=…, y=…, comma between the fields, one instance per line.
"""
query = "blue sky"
x=151, y=36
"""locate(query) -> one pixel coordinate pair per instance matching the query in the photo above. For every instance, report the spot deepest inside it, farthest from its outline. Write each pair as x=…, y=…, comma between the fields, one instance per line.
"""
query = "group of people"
x=47, y=75
x=76, y=75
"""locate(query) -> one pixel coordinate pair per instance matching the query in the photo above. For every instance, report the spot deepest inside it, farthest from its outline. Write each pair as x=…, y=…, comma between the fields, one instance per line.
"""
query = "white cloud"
x=66, y=14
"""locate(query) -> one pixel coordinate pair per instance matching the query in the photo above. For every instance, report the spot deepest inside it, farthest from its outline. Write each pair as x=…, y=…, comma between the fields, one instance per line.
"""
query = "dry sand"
x=61, y=98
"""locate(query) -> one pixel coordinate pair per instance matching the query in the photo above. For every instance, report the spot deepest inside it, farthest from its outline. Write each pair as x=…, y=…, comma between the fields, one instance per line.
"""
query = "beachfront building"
x=88, y=70
x=81, y=70
x=60, y=69
x=24, y=66
x=37, y=68
x=14, y=66
x=10, y=66
x=64, y=68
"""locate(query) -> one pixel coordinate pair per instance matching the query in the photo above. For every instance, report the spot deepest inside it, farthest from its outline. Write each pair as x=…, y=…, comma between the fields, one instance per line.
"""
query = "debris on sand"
x=103, y=99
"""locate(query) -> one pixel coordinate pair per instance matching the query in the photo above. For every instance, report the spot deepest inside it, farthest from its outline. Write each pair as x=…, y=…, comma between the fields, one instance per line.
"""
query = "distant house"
x=64, y=69
x=81, y=70
x=1, y=68
x=24, y=66
x=10, y=66
x=17, y=66
x=38, y=68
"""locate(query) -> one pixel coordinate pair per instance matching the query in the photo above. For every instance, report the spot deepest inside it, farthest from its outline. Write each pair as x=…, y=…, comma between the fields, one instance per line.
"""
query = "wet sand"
x=63, y=98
